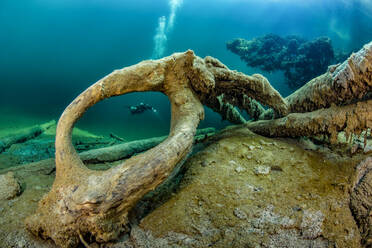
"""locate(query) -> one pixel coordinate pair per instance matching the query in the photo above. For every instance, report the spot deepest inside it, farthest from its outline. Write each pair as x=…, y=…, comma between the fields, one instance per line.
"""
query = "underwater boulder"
x=9, y=186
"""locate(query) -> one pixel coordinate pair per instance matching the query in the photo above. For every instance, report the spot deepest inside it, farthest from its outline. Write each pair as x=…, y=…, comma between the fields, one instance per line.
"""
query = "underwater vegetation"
x=98, y=203
x=301, y=60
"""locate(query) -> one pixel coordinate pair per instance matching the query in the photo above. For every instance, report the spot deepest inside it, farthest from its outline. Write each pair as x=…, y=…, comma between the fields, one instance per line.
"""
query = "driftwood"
x=95, y=204
x=128, y=149
x=24, y=135
x=236, y=89
x=107, y=154
x=338, y=100
x=343, y=84
x=84, y=203
x=353, y=119
x=226, y=110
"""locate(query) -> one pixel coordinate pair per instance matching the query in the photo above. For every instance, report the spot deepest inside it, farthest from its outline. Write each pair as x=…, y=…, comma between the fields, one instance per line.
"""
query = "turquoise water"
x=51, y=50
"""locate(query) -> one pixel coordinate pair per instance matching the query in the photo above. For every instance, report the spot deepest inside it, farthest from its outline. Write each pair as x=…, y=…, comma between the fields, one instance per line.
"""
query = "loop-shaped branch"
x=97, y=203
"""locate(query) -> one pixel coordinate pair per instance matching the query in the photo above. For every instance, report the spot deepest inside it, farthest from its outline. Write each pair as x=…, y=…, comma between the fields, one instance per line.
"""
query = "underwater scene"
x=186, y=123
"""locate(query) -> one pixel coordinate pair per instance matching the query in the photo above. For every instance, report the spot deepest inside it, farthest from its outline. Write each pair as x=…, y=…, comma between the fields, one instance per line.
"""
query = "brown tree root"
x=353, y=118
x=96, y=203
x=24, y=135
x=342, y=84
x=361, y=201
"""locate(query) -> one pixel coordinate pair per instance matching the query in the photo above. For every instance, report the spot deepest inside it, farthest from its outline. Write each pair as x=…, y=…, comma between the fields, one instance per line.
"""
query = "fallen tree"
x=107, y=154
x=95, y=204
x=353, y=119
x=342, y=84
x=336, y=101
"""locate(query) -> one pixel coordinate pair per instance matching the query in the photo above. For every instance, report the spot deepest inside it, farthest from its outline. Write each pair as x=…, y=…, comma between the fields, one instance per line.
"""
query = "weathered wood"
x=343, y=84
x=353, y=118
x=339, y=100
x=96, y=203
x=236, y=89
x=125, y=150
x=107, y=154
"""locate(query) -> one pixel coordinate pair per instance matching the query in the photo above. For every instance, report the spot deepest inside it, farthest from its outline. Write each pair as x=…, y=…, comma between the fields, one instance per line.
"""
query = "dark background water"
x=51, y=50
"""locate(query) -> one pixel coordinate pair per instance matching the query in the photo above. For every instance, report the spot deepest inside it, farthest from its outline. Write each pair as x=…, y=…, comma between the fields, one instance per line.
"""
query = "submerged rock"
x=262, y=170
x=9, y=186
x=311, y=225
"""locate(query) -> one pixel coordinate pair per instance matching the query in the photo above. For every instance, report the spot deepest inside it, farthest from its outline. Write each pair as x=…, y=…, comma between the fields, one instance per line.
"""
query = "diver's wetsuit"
x=142, y=107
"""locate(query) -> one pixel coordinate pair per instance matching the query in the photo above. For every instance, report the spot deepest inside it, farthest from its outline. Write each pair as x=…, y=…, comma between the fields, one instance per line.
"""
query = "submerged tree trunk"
x=24, y=135
x=86, y=203
x=90, y=203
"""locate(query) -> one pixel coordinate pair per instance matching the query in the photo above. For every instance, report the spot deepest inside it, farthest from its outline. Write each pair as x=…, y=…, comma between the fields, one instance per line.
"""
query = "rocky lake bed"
x=238, y=189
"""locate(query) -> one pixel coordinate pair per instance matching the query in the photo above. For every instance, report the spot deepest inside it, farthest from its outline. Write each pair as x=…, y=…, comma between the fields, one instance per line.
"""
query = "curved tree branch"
x=343, y=84
x=227, y=88
x=339, y=100
x=95, y=204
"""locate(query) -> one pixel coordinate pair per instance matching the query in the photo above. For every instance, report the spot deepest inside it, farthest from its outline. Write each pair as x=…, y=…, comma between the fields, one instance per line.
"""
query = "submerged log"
x=24, y=135
x=343, y=84
x=96, y=203
x=108, y=154
x=237, y=89
x=128, y=149
x=353, y=118
x=86, y=203
x=339, y=100
x=225, y=109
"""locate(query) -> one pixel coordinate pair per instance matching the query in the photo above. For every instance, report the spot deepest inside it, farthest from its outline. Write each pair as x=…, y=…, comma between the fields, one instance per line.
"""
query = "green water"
x=50, y=51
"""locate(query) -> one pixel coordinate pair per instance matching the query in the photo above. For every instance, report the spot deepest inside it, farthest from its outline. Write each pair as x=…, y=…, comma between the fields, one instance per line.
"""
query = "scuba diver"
x=141, y=108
